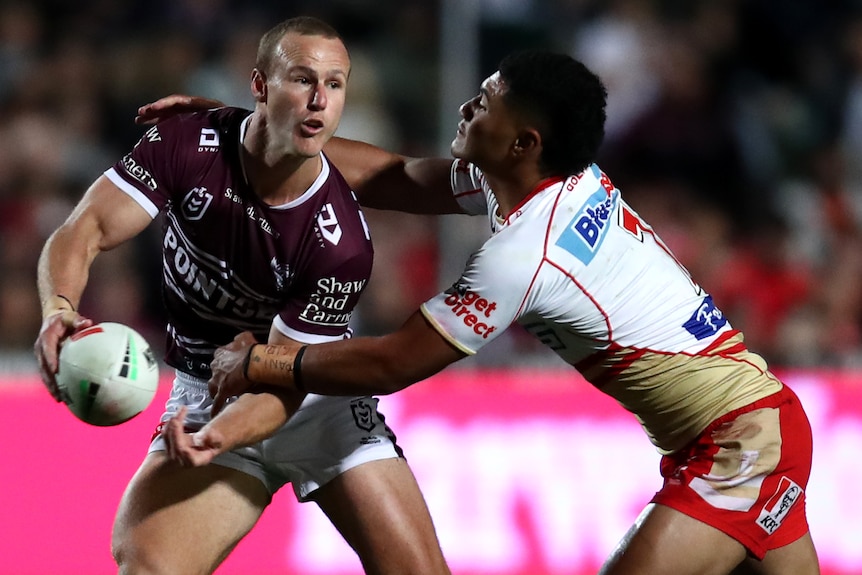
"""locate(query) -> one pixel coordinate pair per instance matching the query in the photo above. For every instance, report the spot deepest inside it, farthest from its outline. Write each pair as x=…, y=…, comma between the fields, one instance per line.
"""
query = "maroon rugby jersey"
x=231, y=262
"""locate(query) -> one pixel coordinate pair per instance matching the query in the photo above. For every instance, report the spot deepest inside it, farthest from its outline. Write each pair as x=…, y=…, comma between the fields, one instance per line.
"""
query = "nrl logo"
x=363, y=414
x=196, y=203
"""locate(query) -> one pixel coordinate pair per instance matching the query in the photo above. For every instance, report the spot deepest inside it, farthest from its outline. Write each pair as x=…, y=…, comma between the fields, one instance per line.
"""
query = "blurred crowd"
x=734, y=128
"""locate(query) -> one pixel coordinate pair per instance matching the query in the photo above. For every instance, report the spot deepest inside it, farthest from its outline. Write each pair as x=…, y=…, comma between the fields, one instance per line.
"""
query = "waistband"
x=187, y=380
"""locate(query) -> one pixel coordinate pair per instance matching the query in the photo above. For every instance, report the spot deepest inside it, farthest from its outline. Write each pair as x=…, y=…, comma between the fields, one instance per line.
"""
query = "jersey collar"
x=540, y=187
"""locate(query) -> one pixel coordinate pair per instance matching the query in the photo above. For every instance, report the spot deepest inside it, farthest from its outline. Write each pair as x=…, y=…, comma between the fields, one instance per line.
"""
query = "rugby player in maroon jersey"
x=262, y=235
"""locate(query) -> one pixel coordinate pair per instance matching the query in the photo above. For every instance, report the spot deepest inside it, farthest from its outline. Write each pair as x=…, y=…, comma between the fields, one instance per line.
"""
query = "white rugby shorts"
x=325, y=438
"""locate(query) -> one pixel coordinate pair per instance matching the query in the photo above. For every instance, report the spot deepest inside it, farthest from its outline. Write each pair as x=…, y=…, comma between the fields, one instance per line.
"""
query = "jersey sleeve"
x=149, y=171
x=484, y=302
x=468, y=189
x=321, y=309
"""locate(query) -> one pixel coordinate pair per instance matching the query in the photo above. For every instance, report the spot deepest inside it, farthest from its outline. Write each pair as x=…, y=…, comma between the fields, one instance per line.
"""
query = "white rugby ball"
x=107, y=374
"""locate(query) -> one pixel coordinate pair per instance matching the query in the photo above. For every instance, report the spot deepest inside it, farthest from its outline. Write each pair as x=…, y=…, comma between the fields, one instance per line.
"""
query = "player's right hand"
x=229, y=370
x=163, y=108
x=190, y=449
x=56, y=327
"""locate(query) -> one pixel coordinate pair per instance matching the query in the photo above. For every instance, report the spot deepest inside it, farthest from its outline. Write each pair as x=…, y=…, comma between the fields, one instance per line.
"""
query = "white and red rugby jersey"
x=580, y=270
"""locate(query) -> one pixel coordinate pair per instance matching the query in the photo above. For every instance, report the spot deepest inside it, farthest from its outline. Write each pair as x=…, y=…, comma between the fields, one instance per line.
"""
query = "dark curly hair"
x=565, y=99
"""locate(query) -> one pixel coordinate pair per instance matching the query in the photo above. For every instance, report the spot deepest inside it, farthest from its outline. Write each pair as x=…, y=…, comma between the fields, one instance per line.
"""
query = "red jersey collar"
x=540, y=187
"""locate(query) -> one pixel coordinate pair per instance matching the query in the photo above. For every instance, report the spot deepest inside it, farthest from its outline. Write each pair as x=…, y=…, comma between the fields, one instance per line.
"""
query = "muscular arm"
x=358, y=366
x=378, y=365
x=104, y=218
x=249, y=418
x=389, y=181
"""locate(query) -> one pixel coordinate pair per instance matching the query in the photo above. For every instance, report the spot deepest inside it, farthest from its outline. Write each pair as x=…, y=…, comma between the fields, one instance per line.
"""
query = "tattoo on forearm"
x=274, y=361
x=278, y=364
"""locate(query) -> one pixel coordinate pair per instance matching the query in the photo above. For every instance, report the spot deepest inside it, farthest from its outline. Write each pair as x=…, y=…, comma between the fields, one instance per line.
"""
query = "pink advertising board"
x=525, y=472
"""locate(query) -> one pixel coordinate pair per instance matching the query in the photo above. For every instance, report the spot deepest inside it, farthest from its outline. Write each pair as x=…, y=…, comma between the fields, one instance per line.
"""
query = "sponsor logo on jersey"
x=706, y=320
x=208, y=141
x=137, y=171
x=329, y=304
x=233, y=196
x=251, y=212
x=778, y=506
x=196, y=203
x=262, y=222
x=328, y=224
x=584, y=233
x=152, y=135
x=207, y=285
x=472, y=309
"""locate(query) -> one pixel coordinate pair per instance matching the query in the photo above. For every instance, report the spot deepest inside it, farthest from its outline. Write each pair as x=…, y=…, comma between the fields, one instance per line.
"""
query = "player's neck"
x=511, y=188
x=281, y=181
x=275, y=176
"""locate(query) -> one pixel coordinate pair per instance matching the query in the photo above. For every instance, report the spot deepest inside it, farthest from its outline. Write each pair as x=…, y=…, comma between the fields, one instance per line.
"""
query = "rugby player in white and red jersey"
x=580, y=269
x=263, y=235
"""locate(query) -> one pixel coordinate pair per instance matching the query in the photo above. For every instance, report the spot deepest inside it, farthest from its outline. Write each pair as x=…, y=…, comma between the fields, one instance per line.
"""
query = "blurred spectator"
x=621, y=47
x=734, y=127
x=762, y=285
x=824, y=211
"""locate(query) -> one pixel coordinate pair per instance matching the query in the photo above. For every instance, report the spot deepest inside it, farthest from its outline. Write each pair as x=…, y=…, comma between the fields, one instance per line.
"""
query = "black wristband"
x=297, y=370
x=61, y=296
x=247, y=361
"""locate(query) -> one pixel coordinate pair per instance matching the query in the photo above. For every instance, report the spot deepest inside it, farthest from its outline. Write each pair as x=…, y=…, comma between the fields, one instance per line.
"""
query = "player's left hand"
x=168, y=106
x=190, y=449
x=228, y=370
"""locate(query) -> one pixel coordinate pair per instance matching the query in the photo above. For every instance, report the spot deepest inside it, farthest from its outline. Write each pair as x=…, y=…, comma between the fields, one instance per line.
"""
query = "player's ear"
x=258, y=85
x=528, y=141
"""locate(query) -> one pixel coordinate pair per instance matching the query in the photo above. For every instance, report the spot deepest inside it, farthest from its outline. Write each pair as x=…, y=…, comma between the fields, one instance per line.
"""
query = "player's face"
x=306, y=92
x=488, y=128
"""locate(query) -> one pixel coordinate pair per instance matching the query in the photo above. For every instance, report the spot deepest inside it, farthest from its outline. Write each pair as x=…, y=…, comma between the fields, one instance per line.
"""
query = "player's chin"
x=457, y=148
x=311, y=146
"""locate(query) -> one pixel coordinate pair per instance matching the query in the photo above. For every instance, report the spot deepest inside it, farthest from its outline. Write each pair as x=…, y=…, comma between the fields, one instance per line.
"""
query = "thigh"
x=175, y=519
x=663, y=540
x=380, y=511
x=797, y=558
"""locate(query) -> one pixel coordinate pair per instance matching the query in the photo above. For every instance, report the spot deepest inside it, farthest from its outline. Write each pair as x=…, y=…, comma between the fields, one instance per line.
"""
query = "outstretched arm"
x=358, y=366
x=389, y=181
x=104, y=218
x=381, y=179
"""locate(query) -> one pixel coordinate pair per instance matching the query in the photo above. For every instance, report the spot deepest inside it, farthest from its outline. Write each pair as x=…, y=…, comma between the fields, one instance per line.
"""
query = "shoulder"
x=208, y=128
x=336, y=184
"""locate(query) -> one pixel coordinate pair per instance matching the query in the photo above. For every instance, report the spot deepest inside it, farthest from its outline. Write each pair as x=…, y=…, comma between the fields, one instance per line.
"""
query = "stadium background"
x=735, y=128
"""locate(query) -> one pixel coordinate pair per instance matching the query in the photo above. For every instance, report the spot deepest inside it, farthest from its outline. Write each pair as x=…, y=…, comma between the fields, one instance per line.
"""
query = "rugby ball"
x=108, y=374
